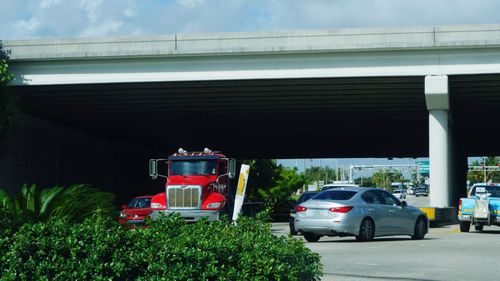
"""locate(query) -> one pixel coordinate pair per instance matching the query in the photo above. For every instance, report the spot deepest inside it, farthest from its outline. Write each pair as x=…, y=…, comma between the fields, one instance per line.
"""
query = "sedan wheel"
x=366, y=230
x=420, y=229
x=311, y=237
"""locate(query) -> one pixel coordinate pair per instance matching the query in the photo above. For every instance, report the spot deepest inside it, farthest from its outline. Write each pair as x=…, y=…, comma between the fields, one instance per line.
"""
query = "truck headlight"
x=122, y=215
x=157, y=206
x=215, y=205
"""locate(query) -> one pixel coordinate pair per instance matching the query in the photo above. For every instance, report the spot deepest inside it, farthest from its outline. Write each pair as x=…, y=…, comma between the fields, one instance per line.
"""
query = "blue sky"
x=23, y=19
x=27, y=19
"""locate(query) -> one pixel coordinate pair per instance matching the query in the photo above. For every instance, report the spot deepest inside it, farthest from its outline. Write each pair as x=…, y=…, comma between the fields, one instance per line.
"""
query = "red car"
x=136, y=211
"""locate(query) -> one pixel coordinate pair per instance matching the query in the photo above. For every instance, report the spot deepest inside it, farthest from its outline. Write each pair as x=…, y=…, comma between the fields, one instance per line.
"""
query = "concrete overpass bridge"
x=376, y=92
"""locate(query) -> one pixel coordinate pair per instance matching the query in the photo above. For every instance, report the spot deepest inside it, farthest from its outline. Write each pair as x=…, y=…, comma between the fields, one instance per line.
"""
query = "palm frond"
x=80, y=201
x=48, y=200
x=72, y=204
x=6, y=202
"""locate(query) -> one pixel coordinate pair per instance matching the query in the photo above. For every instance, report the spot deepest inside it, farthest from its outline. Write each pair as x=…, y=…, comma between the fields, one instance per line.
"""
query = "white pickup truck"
x=480, y=208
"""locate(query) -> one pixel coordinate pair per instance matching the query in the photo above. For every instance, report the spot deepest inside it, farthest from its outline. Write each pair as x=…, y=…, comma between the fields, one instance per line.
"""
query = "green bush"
x=99, y=249
x=71, y=204
x=9, y=110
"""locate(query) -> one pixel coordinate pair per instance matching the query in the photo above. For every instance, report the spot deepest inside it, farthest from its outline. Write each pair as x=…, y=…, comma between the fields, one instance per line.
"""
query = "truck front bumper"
x=189, y=215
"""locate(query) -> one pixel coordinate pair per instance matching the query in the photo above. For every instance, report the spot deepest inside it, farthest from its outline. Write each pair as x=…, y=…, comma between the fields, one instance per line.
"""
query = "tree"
x=272, y=183
x=365, y=181
x=72, y=204
x=288, y=183
x=8, y=103
x=478, y=176
x=264, y=174
x=325, y=174
x=384, y=177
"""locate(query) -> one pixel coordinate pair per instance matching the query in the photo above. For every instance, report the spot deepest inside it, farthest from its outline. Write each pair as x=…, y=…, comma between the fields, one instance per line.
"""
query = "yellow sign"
x=430, y=212
x=240, y=190
x=241, y=184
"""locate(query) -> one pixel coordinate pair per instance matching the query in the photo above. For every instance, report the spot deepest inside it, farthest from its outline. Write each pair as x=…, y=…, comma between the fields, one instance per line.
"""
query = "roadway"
x=421, y=201
x=444, y=254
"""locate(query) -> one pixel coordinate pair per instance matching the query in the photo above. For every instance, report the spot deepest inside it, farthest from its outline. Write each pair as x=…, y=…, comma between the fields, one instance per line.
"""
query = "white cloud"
x=102, y=29
x=92, y=8
x=48, y=3
x=29, y=26
x=191, y=3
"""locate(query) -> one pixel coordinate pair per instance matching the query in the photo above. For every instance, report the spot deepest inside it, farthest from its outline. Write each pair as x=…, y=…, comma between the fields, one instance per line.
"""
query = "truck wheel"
x=420, y=229
x=311, y=237
x=478, y=227
x=464, y=226
x=366, y=230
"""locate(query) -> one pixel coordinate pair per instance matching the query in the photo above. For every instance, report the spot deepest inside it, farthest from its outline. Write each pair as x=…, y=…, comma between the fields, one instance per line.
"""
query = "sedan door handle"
x=391, y=211
x=371, y=210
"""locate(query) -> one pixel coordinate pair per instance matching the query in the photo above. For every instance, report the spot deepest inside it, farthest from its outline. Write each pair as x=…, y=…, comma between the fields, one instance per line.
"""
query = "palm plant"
x=72, y=204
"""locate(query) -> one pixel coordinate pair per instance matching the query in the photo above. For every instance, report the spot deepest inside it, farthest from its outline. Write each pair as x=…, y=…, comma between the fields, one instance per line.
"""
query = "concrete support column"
x=439, y=165
x=437, y=100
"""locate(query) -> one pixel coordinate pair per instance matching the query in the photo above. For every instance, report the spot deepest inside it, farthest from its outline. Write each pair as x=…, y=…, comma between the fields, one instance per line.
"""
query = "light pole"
x=484, y=169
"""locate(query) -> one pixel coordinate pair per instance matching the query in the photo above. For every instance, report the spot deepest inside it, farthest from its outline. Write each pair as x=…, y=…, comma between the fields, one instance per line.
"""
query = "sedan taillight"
x=300, y=209
x=343, y=209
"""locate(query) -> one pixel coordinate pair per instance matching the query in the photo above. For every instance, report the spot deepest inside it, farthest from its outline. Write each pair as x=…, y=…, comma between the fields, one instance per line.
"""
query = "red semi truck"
x=197, y=185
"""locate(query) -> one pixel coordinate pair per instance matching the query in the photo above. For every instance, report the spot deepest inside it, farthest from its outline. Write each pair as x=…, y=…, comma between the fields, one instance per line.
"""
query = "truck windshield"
x=193, y=167
x=493, y=190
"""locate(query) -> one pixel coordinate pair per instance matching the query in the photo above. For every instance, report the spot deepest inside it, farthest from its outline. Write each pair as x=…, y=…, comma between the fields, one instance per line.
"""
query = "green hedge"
x=99, y=249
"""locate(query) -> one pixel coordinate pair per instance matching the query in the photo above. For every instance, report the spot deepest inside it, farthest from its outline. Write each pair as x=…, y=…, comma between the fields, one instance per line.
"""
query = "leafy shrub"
x=98, y=249
x=72, y=204
x=9, y=110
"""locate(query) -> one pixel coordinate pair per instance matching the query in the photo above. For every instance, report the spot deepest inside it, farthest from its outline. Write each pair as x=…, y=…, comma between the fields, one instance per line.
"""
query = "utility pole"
x=337, y=169
x=484, y=169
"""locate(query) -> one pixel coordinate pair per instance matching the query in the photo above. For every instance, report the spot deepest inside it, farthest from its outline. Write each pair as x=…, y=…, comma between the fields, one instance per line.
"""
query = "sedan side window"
x=389, y=198
x=371, y=197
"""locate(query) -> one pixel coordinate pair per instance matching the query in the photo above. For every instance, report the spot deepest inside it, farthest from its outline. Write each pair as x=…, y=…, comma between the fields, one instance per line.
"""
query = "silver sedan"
x=358, y=211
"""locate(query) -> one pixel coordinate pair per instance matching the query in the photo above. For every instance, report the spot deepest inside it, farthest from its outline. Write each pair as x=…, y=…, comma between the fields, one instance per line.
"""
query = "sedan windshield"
x=335, y=195
x=140, y=203
x=193, y=167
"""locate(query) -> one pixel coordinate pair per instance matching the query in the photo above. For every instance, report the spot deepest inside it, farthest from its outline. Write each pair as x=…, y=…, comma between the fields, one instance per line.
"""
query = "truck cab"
x=480, y=208
x=197, y=185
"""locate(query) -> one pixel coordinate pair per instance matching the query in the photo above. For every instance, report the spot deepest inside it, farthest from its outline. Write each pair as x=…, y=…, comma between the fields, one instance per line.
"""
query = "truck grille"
x=184, y=197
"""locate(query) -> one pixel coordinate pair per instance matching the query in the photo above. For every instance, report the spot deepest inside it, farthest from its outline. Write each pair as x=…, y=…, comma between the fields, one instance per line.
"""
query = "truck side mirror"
x=153, y=169
x=231, y=168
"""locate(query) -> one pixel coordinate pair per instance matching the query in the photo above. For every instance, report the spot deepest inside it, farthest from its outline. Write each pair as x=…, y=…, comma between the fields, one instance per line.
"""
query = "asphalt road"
x=444, y=254
x=421, y=201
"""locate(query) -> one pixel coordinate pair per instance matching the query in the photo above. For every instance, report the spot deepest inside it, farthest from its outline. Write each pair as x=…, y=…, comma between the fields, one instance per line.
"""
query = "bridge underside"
x=276, y=118
x=125, y=124
x=286, y=118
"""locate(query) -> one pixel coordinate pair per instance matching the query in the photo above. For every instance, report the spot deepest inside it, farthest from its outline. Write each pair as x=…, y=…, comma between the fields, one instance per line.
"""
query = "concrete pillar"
x=438, y=155
x=437, y=101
